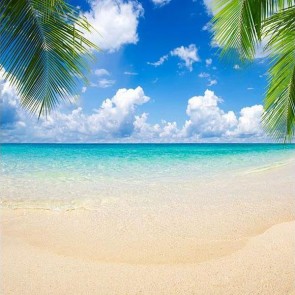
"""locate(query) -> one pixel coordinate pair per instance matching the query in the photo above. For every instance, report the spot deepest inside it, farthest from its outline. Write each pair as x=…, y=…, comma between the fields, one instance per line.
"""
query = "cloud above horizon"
x=118, y=120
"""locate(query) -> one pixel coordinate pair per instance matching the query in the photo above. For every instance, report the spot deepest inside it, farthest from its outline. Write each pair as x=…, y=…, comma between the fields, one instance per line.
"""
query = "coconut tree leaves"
x=43, y=51
x=279, y=116
x=240, y=26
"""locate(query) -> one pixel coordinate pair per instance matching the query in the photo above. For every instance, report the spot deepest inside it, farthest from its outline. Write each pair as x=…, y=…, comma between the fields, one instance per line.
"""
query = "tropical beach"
x=147, y=147
x=228, y=231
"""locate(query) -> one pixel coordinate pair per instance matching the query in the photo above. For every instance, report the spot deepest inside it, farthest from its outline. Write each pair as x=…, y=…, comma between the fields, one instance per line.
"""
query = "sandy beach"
x=147, y=147
x=242, y=243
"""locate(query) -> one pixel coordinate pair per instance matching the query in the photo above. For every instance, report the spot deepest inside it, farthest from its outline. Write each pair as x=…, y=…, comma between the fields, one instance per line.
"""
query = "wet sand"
x=231, y=236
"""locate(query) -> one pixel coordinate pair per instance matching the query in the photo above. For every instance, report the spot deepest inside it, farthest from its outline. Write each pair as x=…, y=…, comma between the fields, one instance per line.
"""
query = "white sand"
x=230, y=236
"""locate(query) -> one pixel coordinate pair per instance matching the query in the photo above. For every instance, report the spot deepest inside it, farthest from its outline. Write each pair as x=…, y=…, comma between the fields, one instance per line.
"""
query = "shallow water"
x=70, y=173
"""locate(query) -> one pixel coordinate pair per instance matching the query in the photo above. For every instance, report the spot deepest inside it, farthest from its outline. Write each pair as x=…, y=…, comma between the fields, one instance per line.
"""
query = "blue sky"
x=158, y=78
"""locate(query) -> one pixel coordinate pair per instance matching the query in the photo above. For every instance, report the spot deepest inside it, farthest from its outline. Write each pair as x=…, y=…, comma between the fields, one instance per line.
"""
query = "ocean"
x=59, y=175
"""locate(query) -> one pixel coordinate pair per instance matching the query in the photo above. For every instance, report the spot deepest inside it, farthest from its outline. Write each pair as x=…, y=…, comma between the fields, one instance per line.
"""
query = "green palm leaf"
x=43, y=52
x=238, y=23
x=279, y=116
x=241, y=25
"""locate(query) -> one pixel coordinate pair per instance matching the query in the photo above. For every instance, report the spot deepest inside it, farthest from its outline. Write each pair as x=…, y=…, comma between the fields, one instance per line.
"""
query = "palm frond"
x=279, y=116
x=238, y=24
x=43, y=52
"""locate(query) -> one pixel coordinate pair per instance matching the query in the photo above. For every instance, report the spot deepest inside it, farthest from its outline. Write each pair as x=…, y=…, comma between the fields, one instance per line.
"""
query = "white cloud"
x=144, y=130
x=114, y=119
x=249, y=123
x=117, y=120
x=130, y=73
x=212, y=82
x=207, y=76
x=189, y=55
x=208, y=62
x=115, y=21
x=159, y=62
x=8, y=105
x=236, y=67
x=101, y=72
x=160, y=132
x=105, y=83
x=161, y=2
x=206, y=122
x=206, y=119
x=116, y=115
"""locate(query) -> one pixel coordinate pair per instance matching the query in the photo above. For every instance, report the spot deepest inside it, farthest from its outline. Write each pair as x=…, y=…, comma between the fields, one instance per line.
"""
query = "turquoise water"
x=64, y=176
x=136, y=161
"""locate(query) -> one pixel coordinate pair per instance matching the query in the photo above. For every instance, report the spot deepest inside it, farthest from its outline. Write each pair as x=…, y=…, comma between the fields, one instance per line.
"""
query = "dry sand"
x=240, y=241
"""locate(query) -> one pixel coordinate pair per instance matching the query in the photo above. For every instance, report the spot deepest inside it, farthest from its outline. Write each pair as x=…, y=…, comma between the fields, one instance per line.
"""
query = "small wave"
x=268, y=167
x=50, y=205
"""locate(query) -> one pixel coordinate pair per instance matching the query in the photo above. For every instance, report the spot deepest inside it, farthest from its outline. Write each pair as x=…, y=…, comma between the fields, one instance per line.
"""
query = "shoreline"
x=231, y=236
x=83, y=203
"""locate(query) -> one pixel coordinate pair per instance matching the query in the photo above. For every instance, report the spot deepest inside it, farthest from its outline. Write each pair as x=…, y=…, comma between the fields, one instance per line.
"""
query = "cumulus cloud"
x=161, y=2
x=116, y=22
x=113, y=119
x=206, y=118
x=159, y=132
x=249, y=123
x=117, y=119
x=189, y=55
x=206, y=122
x=116, y=115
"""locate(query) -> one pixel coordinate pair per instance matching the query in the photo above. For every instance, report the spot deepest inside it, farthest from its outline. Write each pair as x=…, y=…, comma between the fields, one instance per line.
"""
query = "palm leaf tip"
x=43, y=51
